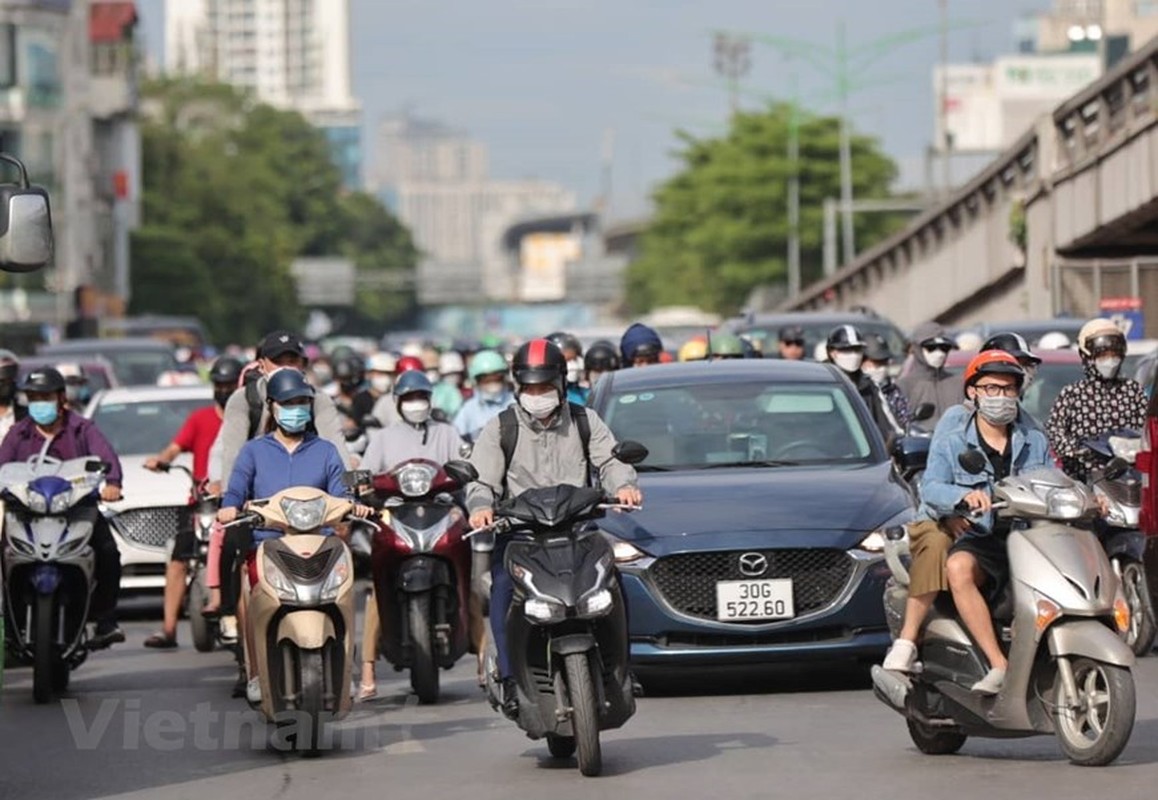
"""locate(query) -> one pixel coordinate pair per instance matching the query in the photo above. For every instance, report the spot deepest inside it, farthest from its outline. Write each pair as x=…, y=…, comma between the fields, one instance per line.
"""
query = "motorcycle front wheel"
x=1143, y=628
x=43, y=659
x=201, y=629
x=424, y=678
x=1094, y=727
x=584, y=713
x=312, y=702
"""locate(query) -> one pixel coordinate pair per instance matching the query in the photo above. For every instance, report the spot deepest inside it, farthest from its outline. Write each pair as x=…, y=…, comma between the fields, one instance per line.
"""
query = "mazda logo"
x=753, y=565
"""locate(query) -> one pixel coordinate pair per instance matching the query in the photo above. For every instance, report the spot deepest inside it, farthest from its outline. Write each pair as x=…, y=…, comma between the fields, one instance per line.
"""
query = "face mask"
x=935, y=358
x=539, y=406
x=415, y=412
x=43, y=412
x=292, y=419
x=381, y=383
x=878, y=374
x=491, y=392
x=997, y=410
x=848, y=360
x=1108, y=367
x=453, y=378
x=222, y=397
x=575, y=370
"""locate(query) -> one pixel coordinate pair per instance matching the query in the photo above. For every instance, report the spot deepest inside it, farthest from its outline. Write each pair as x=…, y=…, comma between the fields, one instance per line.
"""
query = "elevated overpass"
x=1065, y=216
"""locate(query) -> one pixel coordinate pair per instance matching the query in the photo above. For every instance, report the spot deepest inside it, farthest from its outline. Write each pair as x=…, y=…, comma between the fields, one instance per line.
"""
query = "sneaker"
x=253, y=691
x=104, y=635
x=901, y=656
x=991, y=683
x=228, y=630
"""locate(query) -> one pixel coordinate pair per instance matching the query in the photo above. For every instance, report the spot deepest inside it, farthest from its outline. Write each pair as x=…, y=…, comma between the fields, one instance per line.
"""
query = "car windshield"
x=133, y=367
x=767, y=337
x=144, y=427
x=733, y=424
x=1046, y=386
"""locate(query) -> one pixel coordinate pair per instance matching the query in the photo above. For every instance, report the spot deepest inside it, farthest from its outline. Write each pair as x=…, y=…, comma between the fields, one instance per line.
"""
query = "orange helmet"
x=993, y=362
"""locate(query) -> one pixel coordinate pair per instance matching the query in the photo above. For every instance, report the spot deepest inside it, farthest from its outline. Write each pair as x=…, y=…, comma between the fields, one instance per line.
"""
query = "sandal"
x=367, y=691
x=160, y=641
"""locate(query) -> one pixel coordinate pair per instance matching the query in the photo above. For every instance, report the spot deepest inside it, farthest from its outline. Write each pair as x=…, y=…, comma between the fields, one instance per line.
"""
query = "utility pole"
x=794, y=191
x=732, y=61
x=943, y=111
x=849, y=239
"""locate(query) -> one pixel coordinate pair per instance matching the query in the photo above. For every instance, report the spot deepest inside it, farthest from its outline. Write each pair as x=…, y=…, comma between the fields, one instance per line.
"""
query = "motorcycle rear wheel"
x=584, y=713
x=1094, y=727
x=1143, y=628
x=43, y=660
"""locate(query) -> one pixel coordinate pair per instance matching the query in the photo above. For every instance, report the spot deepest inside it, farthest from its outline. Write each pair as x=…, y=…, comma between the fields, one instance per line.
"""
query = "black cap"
x=792, y=333
x=878, y=348
x=279, y=343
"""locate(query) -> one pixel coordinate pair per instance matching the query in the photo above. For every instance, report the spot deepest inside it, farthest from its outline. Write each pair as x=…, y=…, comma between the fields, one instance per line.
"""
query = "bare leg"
x=371, y=631
x=965, y=576
x=916, y=609
x=175, y=573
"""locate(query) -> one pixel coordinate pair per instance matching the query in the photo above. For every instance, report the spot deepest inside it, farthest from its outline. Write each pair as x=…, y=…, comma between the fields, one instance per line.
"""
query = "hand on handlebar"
x=956, y=526
x=360, y=511
x=227, y=515
x=110, y=493
x=978, y=500
x=483, y=518
x=630, y=496
x=156, y=465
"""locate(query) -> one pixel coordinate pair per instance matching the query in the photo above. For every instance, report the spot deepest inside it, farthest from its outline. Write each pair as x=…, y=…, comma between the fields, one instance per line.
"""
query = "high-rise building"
x=293, y=54
x=1110, y=28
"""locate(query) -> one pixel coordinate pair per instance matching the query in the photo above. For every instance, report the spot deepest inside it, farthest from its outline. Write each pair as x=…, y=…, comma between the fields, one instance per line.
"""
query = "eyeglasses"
x=944, y=348
x=997, y=390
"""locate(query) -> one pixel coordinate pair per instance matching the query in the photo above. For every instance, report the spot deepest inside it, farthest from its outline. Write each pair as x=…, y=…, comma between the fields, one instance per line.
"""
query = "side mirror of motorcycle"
x=356, y=478
x=1115, y=469
x=629, y=452
x=461, y=472
x=972, y=461
x=96, y=465
x=25, y=223
x=923, y=412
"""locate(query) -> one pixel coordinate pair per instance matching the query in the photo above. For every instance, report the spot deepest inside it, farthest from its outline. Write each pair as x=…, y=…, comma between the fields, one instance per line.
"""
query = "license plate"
x=741, y=601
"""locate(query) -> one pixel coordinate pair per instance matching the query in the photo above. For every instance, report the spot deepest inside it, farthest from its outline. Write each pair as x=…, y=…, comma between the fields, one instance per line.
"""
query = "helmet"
x=640, y=341
x=451, y=362
x=601, y=357
x=414, y=380
x=725, y=345
x=877, y=348
x=565, y=342
x=1012, y=343
x=993, y=362
x=969, y=341
x=348, y=370
x=407, y=363
x=43, y=380
x=694, y=349
x=225, y=370
x=844, y=337
x=487, y=362
x=381, y=362
x=71, y=372
x=342, y=351
x=1099, y=335
x=538, y=362
x=1054, y=340
x=9, y=366
x=287, y=384
x=430, y=357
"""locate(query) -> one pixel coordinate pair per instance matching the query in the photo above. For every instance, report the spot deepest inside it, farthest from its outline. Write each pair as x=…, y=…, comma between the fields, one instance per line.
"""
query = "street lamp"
x=732, y=60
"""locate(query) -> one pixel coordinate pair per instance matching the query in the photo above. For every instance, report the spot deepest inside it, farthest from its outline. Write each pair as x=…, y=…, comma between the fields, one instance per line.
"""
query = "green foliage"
x=234, y=190
x=1018, y=226
x=721, y=224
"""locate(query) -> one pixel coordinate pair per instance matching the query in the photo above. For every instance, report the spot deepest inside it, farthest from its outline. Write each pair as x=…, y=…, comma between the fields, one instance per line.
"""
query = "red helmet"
x=538, y=362
x=408, y=363
x=993, y=362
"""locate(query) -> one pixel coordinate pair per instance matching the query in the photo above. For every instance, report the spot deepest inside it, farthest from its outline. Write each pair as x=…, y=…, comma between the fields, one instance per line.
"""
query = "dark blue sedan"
x=764, y=491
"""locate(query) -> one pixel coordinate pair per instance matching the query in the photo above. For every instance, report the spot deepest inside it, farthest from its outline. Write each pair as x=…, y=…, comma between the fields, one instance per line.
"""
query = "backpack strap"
x=256, y=403
x=509, y=436
x=583, y=425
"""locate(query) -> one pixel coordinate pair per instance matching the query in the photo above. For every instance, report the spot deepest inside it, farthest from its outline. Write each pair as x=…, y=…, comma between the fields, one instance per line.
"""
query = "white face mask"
x=574, y=370
x=878, y=374
x=415, y=412
x=848, y=360
x=381, y=383
x=1108, y=367
x=935, y=358
x=492, y=391
x=539, y=406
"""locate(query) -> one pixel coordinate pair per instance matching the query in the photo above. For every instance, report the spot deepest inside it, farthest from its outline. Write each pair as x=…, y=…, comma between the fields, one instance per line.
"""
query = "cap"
x=792, y=333
x=279, y=343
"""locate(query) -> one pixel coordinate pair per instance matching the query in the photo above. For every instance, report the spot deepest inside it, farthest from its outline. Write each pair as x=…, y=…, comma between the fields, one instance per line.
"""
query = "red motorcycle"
x=421, y=565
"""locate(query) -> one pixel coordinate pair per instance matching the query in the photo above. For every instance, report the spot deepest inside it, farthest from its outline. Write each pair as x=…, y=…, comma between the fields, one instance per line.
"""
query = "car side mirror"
x=356, y=478
x=923, y=412
x=629, y=452
x=1115, y=469
x=461, y=472
x=25, y=223
x=972, y=461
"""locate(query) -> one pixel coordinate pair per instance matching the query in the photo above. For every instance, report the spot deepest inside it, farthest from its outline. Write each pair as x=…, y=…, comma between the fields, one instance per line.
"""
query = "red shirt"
x=197, y=436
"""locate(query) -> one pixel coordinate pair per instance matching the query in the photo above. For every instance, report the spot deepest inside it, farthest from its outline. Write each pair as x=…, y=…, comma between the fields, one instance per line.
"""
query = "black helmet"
x=845, y=337
x=565, y=342
x=287, y=384
x=1012, y=343
x=877, y=348
x=350, y=369
x=43, y=380
x=538, y=362
x=226, y=370
x=9, y=366
x=602, y=356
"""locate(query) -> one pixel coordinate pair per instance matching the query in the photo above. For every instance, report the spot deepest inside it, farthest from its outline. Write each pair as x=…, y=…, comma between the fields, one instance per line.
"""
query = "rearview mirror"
x=630, y=452
x=972, y=461
x=461, y=472
x=923, y=412
x=25, y=223
x=1115, y=469
x=94, y=464
x=356, y=478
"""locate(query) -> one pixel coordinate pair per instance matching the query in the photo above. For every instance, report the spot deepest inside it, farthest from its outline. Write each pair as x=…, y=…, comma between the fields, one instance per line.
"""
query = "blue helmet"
x=411, y=382
x=640, y=341
x=287, y=384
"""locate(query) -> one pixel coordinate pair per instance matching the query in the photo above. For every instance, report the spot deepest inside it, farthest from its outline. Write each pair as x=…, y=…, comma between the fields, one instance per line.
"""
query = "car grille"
x=150, y=527
x=687, y=581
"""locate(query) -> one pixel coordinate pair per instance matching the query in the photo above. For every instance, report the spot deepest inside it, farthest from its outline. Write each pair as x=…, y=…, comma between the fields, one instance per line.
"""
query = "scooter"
x=1120, y=534
x=910, y=453
x=48, y=564
x=422, y=570
x=300, y=613
x=567, y=625
x=1070, y=673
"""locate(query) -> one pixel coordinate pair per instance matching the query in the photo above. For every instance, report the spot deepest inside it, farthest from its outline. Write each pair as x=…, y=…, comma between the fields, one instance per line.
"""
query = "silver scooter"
x=1059, y=620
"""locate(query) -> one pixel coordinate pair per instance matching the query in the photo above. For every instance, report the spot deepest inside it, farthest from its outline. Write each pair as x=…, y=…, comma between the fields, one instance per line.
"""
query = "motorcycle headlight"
x=60, y=503
x=205, y=521
x=282, y=586
x=1126, y=447
x=37, y=503
x=338, y=574
x=415, y=479
x=304, y=515
x=1065, y=503
x=543, y=610
x=596, y=604
x=1115, y=514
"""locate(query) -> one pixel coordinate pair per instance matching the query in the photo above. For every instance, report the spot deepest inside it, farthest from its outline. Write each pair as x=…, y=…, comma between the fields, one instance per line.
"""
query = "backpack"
x=509, y=435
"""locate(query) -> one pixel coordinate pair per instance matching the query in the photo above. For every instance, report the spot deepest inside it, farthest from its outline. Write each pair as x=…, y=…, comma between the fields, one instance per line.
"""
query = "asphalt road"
x=158, y=725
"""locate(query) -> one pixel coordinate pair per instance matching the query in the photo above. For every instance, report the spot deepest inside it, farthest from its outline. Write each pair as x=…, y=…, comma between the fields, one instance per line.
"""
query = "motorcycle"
x=1120, y=534
x=422, y=570
x=567, y=625
x=48, y=564
x=1070, y=673
x=910, y=452
x=300, y=613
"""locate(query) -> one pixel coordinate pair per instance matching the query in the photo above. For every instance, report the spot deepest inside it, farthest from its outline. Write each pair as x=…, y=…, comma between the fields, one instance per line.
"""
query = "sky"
x=541, y=82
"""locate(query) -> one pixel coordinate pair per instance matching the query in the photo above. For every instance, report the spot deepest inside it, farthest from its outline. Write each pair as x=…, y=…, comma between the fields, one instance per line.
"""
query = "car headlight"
x=596, y=604
x=304, y=515
x=873, y=543
x=37, y=503
x=338, y=574
x=60, y=503
x=543, y=610
x=1065, y=503
x=282, y=586
x=624, y=552
x=415, y=479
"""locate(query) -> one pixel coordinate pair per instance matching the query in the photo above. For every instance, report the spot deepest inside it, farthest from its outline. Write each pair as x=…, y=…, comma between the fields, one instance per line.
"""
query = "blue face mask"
x=293, y=419
x=43, y=412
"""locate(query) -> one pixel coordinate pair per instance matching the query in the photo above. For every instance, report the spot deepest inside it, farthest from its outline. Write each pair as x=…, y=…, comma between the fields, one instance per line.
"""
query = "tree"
x=721, y=225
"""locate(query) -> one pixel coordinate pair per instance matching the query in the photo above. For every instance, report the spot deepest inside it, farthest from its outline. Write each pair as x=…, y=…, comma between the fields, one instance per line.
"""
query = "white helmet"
x=1099, y=334
x=1054, y=340
x=450, y=363
x=969, y=341
x=381, y=362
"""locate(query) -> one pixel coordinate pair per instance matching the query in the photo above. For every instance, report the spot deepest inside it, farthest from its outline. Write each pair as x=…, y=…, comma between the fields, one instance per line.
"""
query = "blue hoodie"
x=635, y=336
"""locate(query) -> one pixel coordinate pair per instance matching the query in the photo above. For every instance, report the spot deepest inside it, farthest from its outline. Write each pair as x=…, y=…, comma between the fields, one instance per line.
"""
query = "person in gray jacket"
x=927, y=380
x=549, y=450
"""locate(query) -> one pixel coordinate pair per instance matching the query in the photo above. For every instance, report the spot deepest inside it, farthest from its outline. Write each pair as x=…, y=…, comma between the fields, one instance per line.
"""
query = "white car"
x=139, y=421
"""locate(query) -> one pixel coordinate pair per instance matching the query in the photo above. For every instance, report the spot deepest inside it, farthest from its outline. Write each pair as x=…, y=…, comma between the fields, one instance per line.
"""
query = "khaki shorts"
x=929, y=543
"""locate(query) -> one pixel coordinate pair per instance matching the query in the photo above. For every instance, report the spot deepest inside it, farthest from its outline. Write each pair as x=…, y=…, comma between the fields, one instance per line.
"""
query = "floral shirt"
x=1087, y=409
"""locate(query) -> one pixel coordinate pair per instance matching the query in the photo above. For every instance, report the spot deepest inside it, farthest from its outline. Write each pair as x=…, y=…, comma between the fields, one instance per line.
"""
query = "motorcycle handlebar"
x=503, y=524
